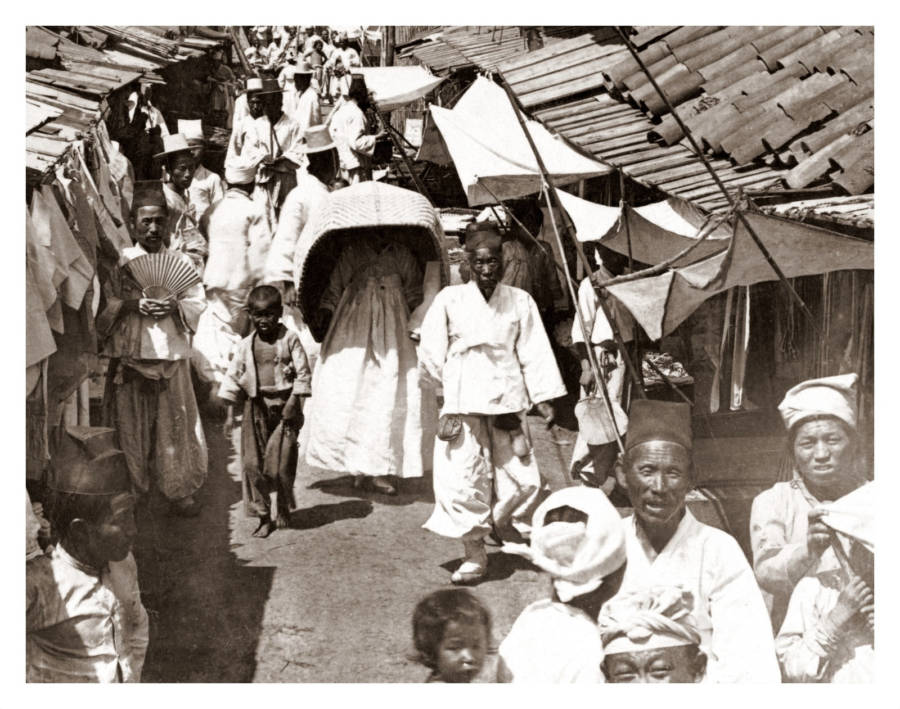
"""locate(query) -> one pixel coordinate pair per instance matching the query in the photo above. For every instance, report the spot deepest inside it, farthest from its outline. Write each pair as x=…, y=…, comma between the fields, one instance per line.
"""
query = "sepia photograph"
x=449, y=353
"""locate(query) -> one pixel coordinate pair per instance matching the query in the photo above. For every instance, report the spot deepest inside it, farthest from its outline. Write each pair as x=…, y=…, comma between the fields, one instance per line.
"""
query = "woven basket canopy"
x=358, y=212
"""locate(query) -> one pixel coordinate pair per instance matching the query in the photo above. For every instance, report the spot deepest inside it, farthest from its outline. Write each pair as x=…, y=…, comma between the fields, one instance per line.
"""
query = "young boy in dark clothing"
x=269, y=373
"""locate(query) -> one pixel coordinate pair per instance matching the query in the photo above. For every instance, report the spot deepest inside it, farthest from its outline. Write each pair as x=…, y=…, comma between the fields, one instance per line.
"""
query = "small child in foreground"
x=269, y=373
x=451, y=633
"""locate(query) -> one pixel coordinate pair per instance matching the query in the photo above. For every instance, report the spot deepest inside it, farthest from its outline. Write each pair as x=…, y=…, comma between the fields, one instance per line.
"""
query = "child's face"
x=111, y=539
x=667, y=665
x=265, y=317
x=460, y=655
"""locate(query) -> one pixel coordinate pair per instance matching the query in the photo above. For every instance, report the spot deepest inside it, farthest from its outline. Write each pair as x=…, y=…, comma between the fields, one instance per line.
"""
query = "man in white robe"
x=149, y=396
x=667, y=546
x=183, y=230
x=594, y=463
x=349, y=131
x=311, y=190
x=239, y=242
x=306, y=110
x=278, y=138
x=206, y=187
x=483, y=344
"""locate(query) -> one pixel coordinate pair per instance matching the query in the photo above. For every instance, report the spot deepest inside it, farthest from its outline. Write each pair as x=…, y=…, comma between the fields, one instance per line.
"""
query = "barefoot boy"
x=269, y=371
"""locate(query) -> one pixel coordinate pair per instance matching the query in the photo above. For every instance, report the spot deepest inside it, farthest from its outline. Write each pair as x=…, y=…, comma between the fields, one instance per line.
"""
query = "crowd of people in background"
x=655, y=597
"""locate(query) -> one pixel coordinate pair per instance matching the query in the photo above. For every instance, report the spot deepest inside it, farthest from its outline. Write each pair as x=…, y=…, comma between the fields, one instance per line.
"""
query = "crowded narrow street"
x=233, y=608
x=450, y=354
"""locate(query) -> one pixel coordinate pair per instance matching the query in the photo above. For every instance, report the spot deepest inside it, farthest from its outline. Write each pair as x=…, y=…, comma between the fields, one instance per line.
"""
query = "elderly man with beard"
x=667, y=546
x=483, y=345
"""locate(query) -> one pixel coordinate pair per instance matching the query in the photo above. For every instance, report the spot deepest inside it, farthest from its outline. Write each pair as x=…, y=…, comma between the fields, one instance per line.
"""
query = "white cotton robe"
x=488, y=357
x=365, y=414
x=239, y=242
x=354, y=146
x=728, y=607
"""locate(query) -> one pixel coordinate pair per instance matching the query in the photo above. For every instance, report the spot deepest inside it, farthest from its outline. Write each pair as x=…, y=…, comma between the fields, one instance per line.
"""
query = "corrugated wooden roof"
x=772, y=106
x=63, y=101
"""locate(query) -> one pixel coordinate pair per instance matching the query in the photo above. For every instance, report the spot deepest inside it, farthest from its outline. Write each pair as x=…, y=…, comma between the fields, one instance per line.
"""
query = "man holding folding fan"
x=149, y=397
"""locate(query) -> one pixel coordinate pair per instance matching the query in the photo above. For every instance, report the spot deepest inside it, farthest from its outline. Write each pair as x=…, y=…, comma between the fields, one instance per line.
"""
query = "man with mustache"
x=484, y=347
x=666, y=545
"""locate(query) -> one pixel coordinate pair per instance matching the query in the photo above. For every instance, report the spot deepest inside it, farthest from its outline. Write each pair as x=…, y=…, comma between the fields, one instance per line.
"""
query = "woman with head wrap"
x=576, y=537
x=789, y=541
x=649, y=637
x=828, y=632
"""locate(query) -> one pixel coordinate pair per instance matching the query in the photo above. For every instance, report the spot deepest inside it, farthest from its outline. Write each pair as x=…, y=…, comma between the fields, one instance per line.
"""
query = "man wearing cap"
x=149, y=396
x=239, y=241
x=788, y=540
x=306, y=111
x=278, y=139
x=667, y=546
x=222, y=85
x=340, y=64
x=483, y=345
x=649, y=637
x=577, y=538
x=84, y=621
x=594, y=462
x=349, y=130
x=206, y=187
x=311, y=190
x=184, y=234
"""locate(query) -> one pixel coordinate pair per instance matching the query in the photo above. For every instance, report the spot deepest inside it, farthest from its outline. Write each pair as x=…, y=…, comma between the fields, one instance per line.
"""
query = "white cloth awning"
x=661, y=303
x=396, y=86
x=482, y=137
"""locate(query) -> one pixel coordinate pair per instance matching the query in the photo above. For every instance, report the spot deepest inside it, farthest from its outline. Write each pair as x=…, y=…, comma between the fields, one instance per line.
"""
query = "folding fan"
x=163, y=275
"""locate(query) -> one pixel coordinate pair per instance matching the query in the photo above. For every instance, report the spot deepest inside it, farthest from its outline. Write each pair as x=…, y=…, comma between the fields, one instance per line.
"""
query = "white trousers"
x=478, y=478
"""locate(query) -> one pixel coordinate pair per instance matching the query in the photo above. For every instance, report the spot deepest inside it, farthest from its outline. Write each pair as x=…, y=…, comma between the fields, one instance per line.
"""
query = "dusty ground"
x=329, y=600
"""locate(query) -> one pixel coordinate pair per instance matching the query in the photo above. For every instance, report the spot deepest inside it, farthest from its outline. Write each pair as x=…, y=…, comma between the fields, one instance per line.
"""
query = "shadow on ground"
x=320, y=515
x=408, y=491
x=206, y=606
x=500, y=566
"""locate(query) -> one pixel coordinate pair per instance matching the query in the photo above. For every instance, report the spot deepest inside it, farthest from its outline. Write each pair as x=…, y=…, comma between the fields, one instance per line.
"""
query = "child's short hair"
x=264, y=295
x=435, y=611
x=64, y=507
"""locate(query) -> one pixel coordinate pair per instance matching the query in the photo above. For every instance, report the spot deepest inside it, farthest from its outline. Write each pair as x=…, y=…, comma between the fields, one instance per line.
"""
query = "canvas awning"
x=659, y=231
x=660, y=303
x=482, y=137
x=396, y=86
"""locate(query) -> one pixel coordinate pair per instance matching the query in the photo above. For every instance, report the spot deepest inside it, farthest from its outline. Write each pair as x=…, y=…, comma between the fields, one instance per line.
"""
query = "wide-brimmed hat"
x=266, y=86
x=317, y=140
x=254, y=84
x=192, y=131
x=173, y=144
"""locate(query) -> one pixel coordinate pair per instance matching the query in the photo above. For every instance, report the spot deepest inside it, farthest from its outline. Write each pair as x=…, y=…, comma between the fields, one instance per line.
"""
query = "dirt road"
x=329, y=600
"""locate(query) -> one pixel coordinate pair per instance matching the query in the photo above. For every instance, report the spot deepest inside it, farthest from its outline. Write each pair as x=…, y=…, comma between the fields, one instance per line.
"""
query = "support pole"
x=740, y=215
x=549, y=190
x=389, y=130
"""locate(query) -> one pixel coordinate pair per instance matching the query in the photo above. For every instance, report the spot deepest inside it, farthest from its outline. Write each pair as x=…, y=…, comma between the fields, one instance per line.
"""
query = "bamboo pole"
x=547, y=190
x=406, y=161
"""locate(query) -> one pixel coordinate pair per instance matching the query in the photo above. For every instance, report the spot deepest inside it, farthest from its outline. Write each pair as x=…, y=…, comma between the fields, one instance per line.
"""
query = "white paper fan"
x=163, y=275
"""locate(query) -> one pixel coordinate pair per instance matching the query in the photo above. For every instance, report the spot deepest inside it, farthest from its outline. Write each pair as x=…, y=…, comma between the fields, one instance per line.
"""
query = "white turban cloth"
x=578, y=555
x=649, y=619
x=828, y=396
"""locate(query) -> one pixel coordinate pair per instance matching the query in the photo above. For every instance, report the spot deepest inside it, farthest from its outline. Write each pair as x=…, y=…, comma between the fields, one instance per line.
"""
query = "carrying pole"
x=548, y=189
x=740, y=214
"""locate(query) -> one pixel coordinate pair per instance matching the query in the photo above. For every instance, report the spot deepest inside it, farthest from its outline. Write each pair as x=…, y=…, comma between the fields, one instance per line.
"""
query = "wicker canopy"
x=350, y=214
